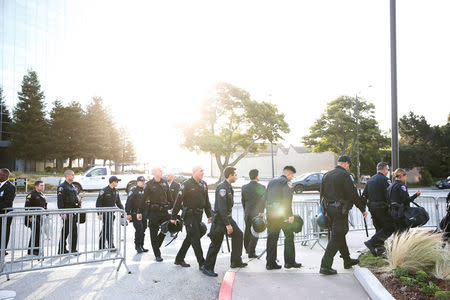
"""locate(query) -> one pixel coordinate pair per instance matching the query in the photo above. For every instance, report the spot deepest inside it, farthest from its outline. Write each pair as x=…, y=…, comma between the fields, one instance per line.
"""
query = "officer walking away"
x=278, y=198
x=193, y=198
x=108, y=197
x=35, y=199
x=338, y=194
x=222, y=224
x=253, y=203
x=158, y=199
x=173, y=186
x=7, y=195
x=399, y=199
x=135, y=207
x=375, y=192
x=68, y=198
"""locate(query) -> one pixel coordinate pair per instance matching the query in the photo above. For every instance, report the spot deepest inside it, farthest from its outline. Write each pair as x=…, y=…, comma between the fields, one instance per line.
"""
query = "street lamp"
x=395, y=148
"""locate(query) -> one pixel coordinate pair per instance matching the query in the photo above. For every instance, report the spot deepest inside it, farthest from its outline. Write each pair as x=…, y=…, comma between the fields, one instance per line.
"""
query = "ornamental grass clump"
x=417, y=250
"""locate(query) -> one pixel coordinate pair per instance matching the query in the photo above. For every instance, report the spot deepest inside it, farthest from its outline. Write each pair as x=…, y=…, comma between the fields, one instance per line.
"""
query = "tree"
x=66, y=132
x=335, y=131
x=5, y=118
x=125, y=152
x=232, y=123
x=29, y=130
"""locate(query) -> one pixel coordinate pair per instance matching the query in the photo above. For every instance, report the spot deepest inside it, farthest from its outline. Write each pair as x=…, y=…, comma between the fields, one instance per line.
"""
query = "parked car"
x=307, y=182
x=443, y=183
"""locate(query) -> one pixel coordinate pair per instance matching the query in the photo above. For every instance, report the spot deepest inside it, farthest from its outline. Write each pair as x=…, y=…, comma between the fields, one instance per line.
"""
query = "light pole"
x=395, y=148
x=273, y=167
x=358, y=175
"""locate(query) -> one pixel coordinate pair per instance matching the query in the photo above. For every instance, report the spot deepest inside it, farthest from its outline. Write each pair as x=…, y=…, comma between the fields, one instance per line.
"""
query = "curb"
x=226, y=287
x=371, y=284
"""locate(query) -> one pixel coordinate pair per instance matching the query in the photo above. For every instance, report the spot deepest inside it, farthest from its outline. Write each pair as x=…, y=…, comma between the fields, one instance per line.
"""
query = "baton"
x=228, y=242
x=365, y=226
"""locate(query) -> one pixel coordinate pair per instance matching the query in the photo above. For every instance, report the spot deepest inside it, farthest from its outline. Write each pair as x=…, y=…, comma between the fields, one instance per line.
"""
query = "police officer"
x=68, y=198
x=223, y=223
x=337, y=195
x=7, y=195
x=399, y=199
x=278, y=198
x=173, y=186
x=108, y=197
x=376, y=196
x=158, y=199
x=135, y=207
x=35, y=199
x=253, y=204
x=193, y=197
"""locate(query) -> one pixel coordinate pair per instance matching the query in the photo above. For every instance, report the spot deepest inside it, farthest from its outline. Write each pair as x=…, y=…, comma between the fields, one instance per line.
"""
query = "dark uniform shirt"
x=7, y=195
x=174, y=188
x=108, y=197
x=224, y=202
x=67, y=196
x=157, y=193
x=192, y=195
x=252, y=198
x=338, y=185
x=36, y=199
x=278, y=198
x=398, y=193
x=376, y=188
x=135, y=201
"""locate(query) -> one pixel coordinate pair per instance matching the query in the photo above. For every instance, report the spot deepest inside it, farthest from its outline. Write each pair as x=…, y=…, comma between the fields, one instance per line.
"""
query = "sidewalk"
x=255, y=282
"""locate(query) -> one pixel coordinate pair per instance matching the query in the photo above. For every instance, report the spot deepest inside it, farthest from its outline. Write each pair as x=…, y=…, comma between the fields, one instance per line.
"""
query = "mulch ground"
x=399, y=291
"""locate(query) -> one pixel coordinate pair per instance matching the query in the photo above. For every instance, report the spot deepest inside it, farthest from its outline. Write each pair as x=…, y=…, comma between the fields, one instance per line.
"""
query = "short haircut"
x=38, y=182
x=228, y=171
x=253, y=174
x=381, y=166
x=290, y=168
x=68, y=172
x=399, y=173
x=5, y=170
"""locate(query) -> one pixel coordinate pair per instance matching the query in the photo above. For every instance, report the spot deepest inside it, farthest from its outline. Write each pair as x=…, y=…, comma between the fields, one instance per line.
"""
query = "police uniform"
x=108, y=197
x=253, y=204
x=222, y=217
x=35, y=199
x=7, y=195
x=136, y=205
x=68, y=198
x=158, y=199
x=174, y=188
x=375, y=193
x=278, y=198
x=193, y=197
x=399, y=200
x=338, y=194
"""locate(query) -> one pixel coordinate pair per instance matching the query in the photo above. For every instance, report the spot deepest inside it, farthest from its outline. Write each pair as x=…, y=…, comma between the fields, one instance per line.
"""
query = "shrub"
x=408, y=281
x=422, y=276
x=368, y=260
x=400, y=272
x=416, y=250
x=429, y=289
x=425, y=178
x=442, y=295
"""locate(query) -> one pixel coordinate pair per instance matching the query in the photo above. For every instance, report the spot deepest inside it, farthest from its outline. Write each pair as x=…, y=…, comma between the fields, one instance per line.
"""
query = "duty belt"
x=193, y=210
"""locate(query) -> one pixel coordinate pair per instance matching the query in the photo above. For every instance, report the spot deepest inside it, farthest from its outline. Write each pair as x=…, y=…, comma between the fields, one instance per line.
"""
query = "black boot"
x=349, y=262
x=138, y=249
x=327, y=271
x=371, y=248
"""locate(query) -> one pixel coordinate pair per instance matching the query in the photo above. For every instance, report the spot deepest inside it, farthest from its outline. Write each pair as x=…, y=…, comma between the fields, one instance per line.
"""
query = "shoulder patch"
x=222, y=192
x=403, y=188
x=389, y=181
x=101, y=192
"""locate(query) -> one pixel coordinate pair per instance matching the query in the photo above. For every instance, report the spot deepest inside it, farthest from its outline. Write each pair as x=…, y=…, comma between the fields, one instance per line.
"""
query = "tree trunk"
x=59, y=163
x=70, y=163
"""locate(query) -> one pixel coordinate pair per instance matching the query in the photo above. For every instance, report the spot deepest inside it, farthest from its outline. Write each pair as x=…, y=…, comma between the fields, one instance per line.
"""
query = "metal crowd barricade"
x=37, y=238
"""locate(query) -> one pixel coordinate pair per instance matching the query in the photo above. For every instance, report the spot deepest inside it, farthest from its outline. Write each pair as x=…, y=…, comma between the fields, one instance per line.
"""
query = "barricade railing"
x=43, y=239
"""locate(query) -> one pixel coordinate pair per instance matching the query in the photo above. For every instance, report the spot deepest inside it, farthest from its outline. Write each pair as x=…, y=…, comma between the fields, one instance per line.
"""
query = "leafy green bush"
x=429, y=289
x=425, y=178
x=400, y=271
x=408, y=281
x=442, y=295
x=422, y=276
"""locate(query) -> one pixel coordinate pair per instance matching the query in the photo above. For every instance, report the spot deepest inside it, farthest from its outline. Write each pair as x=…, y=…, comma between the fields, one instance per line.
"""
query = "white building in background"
x=302, y=158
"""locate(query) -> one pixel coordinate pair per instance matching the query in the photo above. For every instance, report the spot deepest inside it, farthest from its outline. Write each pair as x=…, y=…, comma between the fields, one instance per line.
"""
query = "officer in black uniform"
x=253, y=204
x=174, y=188
x=375, y=193
x=135, y=207
x=7, y=195
x=108, y=197
x=193, y=197
x=278, y=198
x=338, y=193
x=158, y=199
x=223, y=223
x=399, y=199
x=35, y=199
x=68, y=198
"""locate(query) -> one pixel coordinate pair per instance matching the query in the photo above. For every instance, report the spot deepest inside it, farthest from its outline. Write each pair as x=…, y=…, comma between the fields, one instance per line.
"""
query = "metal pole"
x=273, y=168
x=395, y=147
x=358, y=176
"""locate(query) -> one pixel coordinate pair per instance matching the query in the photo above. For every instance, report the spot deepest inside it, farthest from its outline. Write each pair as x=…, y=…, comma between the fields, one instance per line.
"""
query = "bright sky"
x=152, y=61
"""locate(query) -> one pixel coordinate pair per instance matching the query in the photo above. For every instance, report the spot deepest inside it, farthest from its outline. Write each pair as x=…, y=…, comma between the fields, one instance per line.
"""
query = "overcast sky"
x=152, y=61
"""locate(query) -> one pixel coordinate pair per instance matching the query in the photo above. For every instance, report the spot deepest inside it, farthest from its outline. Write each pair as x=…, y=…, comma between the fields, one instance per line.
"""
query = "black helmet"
x=258, y=224
x=322, y=221
x=203, y=229
x=297, y=225
x=167, y=226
